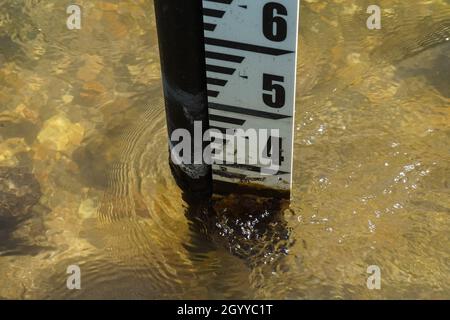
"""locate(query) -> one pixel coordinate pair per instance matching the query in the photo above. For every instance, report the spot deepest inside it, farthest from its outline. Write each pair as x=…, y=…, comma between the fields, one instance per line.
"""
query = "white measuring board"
x=251, y=50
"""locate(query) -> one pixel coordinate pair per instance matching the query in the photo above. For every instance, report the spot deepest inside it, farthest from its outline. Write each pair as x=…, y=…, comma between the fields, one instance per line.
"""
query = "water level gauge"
x=251, y=50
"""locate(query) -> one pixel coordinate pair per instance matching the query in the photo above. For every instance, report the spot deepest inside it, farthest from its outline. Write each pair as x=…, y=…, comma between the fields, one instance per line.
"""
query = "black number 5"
x=277, y=96
x=274, y=27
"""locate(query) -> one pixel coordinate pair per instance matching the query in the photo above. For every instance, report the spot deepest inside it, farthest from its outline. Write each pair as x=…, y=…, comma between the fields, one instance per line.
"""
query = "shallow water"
x=84, y=177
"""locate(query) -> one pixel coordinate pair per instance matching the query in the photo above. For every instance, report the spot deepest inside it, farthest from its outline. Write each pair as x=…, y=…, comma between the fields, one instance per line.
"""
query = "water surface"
x=84, y=177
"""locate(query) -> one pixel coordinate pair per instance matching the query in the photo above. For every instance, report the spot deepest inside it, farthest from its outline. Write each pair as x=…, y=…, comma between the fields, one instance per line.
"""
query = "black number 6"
x=274, y=27
x=277, y=96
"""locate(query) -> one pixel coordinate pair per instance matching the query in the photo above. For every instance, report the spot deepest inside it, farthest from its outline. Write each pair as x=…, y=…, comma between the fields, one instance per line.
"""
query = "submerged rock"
x=21, y=227
x=60, y=134
x=432, y=64
x=19, y=192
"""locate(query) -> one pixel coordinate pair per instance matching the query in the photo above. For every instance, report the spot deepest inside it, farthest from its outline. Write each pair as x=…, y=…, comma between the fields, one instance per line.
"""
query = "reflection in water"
x=84, y=177
x=250, y=228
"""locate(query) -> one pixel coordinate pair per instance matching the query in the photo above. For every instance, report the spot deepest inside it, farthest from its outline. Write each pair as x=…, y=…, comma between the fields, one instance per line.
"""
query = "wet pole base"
x=181, y=44
x=193, y=187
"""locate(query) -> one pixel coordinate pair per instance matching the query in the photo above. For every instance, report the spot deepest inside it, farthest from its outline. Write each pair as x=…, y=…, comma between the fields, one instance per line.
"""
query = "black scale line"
x=236, y=176
x=238, y=122
x=222, y=130
x=246, y=47
x=247, y=167
x=213, y=93
x=249, y=112
x=209, y=26
x=213, y=13
x=216, y=82
x=219, y=1
x=219, y=69
x=223, y=57
x=230, y=175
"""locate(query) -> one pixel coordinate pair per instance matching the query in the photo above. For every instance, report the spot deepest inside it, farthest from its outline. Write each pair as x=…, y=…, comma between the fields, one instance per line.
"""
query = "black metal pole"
x=181, y=45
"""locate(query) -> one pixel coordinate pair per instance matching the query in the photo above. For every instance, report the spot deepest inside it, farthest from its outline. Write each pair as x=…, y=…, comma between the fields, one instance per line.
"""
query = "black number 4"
x=277, y=96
